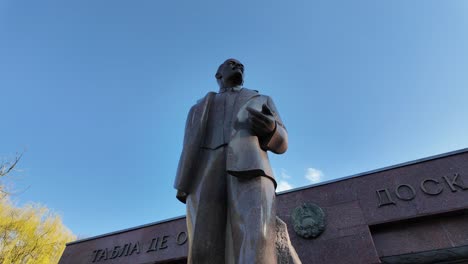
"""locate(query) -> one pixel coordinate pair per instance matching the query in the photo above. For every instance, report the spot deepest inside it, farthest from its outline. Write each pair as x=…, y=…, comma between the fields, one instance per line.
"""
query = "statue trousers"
x=229, y=219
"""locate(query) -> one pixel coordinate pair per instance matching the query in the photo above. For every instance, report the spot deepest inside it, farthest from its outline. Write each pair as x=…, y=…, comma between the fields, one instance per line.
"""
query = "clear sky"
x=97, y=92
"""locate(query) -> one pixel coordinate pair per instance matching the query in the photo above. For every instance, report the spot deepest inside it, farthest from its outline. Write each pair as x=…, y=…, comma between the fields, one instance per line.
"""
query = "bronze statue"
x=224, y=175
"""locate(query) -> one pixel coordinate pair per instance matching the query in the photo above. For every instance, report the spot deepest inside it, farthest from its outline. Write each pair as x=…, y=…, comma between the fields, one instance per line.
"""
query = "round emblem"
x=308, y=220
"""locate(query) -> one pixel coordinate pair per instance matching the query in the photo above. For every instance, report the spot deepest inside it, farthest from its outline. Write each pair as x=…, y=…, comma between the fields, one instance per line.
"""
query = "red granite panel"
x=353, y=249
x=430, y=174
x=144, y=245
x=456, y=229
x=423, y=234
x=323, y=195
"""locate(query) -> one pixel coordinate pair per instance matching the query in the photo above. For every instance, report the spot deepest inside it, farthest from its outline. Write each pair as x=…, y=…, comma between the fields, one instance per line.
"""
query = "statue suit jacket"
x=246, y=153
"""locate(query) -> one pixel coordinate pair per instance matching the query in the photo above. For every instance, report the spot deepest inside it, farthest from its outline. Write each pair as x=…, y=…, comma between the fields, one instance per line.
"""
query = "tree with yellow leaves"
x=29, y=234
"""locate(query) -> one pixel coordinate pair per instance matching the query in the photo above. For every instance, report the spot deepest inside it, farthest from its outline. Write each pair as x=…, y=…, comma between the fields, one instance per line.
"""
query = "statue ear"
x=218, y=75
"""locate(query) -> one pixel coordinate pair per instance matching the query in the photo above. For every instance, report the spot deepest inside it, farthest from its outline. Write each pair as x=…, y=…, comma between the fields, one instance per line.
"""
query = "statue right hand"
x=181, y=196
x=262, y=122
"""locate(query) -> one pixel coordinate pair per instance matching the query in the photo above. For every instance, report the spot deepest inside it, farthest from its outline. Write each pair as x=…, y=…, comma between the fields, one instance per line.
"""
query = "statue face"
x=233, y=71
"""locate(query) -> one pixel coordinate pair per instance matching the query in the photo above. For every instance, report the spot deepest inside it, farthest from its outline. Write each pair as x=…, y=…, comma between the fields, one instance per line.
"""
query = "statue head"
x=230, y=73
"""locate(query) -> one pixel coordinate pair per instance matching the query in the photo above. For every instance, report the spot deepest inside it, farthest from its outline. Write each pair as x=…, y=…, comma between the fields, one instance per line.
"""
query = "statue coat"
x=246, y=156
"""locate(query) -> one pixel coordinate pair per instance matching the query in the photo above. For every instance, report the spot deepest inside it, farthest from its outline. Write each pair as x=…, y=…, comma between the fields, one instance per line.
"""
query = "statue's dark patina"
x=224, y=175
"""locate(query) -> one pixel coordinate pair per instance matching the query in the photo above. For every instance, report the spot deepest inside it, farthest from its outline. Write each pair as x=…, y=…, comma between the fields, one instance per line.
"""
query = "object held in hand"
x=263, y=123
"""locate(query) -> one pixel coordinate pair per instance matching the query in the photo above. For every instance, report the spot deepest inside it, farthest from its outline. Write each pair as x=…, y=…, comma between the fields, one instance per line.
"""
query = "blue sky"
x=97, y=92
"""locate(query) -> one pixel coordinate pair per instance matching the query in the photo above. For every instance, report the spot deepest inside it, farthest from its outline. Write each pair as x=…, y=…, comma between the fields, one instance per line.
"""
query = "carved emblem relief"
x=308, y=220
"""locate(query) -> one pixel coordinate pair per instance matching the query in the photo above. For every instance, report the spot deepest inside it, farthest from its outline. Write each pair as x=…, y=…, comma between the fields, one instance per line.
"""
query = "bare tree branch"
x=6, y=168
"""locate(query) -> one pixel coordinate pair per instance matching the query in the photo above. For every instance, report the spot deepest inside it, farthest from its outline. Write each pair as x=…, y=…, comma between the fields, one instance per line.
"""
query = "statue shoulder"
x=207, y=97
x=202, y=105
x=250, y=90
